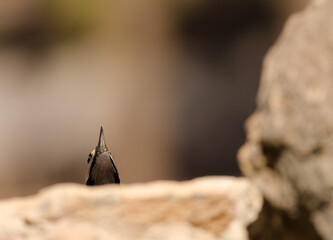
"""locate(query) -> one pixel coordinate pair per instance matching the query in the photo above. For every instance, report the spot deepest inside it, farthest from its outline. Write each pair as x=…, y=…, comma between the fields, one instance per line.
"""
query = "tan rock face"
x=288, y=153
x=208, y=208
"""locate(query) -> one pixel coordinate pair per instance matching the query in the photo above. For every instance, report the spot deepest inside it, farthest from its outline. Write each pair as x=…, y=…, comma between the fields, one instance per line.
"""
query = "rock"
x=289, y=148
x=206, y=208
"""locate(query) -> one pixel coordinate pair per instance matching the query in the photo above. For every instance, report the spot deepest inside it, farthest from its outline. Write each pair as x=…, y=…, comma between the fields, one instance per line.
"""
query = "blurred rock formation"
x=207, y=208
x=289, y=148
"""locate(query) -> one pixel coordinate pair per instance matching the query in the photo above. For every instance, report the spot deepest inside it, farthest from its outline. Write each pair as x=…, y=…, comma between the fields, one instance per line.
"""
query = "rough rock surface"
x=289, y=150
x=206, y=208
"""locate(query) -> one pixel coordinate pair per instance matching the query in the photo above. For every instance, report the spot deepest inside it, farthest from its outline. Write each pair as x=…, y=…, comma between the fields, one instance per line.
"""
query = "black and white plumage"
x=101, y=167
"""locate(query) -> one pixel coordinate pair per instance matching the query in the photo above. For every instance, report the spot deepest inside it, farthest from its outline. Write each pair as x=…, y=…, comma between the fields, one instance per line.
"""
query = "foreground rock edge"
x=203, y=208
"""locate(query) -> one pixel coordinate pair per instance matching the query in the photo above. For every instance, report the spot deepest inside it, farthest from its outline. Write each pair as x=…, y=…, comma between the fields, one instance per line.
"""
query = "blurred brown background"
x=170, y=81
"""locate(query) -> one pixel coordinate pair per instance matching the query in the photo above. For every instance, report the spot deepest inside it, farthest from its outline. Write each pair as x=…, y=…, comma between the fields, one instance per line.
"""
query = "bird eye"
x=89, y=157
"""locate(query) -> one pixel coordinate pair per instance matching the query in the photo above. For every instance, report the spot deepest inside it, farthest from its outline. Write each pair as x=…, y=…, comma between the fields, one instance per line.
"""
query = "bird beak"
x=101, y=142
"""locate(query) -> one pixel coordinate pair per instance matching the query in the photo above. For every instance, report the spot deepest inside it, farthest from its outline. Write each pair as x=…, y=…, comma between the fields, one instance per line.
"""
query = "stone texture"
x=289, y=148
x=207, y=208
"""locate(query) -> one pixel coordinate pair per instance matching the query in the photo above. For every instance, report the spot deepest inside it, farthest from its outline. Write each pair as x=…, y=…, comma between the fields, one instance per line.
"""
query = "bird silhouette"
x=101, y=167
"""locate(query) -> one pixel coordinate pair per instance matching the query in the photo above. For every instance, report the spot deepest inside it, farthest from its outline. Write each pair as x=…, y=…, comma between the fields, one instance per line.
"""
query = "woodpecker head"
x=101, y=167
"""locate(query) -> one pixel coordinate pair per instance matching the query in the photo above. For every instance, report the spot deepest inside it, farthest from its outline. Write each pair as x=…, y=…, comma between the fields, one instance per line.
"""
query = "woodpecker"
x=101, y=167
